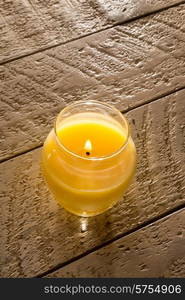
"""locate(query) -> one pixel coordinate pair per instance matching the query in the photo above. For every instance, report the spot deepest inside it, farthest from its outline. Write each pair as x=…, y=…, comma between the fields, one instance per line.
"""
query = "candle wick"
x=88, y=153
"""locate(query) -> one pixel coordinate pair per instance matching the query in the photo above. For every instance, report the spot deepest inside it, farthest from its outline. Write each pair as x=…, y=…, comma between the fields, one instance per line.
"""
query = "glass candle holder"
x=89, y=157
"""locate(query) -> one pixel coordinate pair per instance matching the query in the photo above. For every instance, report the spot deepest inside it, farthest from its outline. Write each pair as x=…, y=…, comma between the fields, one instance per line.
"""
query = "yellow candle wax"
x=91, y=133
x=88, y=161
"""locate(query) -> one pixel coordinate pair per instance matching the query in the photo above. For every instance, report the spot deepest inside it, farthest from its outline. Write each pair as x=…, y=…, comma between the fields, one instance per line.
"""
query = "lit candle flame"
x=88, y=147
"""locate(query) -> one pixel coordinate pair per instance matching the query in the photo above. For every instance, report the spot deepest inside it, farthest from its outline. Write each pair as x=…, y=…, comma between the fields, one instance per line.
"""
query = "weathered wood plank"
x=29, y=25
x=125, y=66
x=37, y=235
x=155, y=251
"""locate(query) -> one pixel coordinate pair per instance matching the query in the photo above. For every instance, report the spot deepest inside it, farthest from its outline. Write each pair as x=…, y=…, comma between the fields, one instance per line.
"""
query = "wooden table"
x=130, y=53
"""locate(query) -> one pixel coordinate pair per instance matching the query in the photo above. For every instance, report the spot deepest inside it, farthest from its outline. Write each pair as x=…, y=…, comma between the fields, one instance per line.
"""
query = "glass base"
x=87, y=214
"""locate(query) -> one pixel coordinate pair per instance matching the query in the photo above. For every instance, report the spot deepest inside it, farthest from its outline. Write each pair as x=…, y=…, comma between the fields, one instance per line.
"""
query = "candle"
x=89, y=157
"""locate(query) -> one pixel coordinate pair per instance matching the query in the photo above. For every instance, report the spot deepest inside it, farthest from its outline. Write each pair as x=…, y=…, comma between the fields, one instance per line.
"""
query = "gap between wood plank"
x=123, y=111
x=89, y=34
x=116, y=238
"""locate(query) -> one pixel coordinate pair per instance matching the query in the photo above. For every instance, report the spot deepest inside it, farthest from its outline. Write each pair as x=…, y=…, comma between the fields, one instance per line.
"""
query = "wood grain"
x=36, y=235
x=125, y=66
x=31, y=25
x=155, y=251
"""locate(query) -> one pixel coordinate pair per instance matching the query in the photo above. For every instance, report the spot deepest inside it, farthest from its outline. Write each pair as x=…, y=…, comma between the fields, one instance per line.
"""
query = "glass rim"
x=92, y=158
